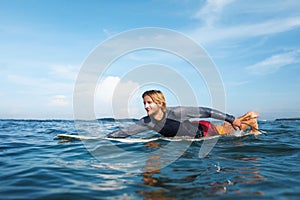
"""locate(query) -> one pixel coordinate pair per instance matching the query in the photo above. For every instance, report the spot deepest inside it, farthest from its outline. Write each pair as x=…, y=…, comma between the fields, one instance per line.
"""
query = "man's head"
x=156, y=97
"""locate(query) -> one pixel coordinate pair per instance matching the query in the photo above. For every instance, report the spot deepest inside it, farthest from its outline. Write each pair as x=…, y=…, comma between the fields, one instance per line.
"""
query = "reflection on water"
x=246, y=176
x=152, y=168
x=158, y=187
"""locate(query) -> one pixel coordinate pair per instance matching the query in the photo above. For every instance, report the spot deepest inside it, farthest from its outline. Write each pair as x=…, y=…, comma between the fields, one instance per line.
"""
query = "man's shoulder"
x=174, y=108
x=177, y=109
x=174, y=112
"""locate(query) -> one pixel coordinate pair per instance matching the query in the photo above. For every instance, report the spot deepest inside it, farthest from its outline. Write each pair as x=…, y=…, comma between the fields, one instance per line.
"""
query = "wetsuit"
x=176, y=122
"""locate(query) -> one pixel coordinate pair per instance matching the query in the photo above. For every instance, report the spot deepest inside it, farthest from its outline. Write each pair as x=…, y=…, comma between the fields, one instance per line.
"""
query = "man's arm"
x=216, y=114
x=185, y=113
x=139, y=127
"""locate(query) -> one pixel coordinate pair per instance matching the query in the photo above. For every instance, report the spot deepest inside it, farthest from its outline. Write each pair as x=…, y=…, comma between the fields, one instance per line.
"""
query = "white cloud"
x=39, y=86
x=113, y=97
x=274, y=63
x=68, y=72
x=216, y=14
x=211, y=10
x=59, y=100
x=105, y=89
x=217, y=34
x=23, y=80
x=40, y=97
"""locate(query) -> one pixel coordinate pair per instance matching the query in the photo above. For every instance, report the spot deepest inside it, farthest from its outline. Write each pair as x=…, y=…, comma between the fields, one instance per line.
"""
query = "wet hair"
x=157, y=96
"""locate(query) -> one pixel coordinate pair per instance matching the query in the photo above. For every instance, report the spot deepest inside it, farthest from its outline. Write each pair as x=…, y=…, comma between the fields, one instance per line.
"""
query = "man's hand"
x=236, y=124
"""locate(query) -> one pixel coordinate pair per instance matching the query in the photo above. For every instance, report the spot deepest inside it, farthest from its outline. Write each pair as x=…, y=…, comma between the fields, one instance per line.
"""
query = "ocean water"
x=35, y=164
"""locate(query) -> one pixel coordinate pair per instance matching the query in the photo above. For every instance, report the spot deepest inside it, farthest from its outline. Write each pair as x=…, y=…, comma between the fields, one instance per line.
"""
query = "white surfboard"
x=141, y=140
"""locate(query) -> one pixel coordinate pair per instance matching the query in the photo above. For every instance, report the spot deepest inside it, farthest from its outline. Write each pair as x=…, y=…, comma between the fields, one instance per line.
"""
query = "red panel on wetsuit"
x=208, y=128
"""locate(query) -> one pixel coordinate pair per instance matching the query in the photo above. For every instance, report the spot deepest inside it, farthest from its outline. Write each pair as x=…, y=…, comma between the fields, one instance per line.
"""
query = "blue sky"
x=254, y=44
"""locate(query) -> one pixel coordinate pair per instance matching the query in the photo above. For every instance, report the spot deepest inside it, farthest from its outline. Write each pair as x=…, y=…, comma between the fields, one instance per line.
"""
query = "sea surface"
x=35, y=164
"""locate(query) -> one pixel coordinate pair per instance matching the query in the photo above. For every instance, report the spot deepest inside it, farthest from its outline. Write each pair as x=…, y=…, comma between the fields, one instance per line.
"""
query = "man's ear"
x=160, y=104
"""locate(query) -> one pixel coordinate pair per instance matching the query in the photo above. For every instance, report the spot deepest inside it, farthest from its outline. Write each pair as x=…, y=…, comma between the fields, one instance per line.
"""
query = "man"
x=178, y=121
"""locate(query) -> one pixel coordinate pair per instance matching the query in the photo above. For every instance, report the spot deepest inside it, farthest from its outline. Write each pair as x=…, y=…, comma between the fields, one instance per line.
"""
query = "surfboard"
x=77, y=137
x=127, y=140
x=141, y=140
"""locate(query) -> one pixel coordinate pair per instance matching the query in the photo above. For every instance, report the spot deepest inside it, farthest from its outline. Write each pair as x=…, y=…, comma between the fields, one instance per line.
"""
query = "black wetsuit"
x=176, y=122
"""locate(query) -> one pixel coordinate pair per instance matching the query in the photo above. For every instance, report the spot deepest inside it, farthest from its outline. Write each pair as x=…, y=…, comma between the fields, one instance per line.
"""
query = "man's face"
x=151, y=107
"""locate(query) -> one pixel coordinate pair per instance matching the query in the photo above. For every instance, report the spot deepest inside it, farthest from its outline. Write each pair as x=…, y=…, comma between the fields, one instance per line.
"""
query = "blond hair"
x=157, y=96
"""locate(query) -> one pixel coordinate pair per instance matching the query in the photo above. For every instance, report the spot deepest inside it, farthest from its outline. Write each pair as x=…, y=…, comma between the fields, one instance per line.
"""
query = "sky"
x=254, y=46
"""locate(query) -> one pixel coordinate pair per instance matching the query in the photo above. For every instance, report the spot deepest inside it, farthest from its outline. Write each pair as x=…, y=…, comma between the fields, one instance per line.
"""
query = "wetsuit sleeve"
x=203, y=112
x=139, y=127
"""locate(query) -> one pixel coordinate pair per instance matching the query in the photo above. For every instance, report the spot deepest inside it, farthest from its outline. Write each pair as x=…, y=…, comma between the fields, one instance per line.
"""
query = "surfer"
x=178, y=121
